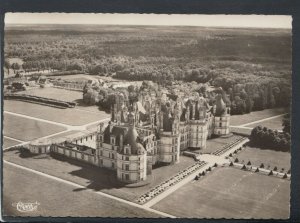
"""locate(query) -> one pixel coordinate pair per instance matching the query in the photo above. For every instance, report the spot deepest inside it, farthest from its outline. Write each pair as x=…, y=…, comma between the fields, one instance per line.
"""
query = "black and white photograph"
x=147, y=115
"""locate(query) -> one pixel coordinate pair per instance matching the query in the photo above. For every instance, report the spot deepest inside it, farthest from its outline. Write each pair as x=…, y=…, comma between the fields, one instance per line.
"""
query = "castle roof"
x=167, y=122
x=113, y=131
x=132, y=139
x=220, y=106
x=130, y=136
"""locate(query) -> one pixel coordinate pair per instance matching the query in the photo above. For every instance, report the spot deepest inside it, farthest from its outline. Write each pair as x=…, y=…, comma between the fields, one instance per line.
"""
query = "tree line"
x=271, y=139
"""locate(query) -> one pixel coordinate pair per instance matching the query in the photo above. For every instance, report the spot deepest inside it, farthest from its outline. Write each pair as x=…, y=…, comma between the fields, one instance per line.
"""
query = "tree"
x=91, y=97
x=15, y=66
x=286, y=123
x=7, y=65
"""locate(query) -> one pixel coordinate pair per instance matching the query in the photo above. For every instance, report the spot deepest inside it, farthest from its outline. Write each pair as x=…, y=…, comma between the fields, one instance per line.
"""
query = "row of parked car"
x=170, y=182
x=40, y=100
x=228, y=146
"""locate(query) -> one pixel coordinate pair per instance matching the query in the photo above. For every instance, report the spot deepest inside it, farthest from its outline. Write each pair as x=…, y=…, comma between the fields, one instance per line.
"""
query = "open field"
x=98, y=179
x=22, y=185
x=213, y=145
x=70, y=116
x=27, y=129
x=9, y=142
x=230, y=193
x=267, y=157
x=255, y=116
x=54, y=93
x=275, y=123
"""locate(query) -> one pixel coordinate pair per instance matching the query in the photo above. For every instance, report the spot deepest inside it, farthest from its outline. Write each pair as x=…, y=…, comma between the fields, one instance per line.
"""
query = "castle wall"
x=107, y=155
x=198, y=134
x=88, y=140
x=131, y=168
x=169, y=148
x=221, y=125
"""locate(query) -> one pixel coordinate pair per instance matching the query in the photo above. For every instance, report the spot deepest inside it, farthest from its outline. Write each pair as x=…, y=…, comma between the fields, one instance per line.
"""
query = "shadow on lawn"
x=25, y=153
x=97, y=178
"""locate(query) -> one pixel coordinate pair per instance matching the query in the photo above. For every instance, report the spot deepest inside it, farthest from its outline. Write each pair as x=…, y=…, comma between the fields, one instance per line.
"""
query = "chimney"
x=161, y=121
x=101, y=127
x=110, y=127
x=121, y=140
x=193, y=111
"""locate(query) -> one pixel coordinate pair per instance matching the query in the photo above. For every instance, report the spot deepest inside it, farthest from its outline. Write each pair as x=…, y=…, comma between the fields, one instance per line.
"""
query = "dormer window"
x=127, y=150
x=112, y=140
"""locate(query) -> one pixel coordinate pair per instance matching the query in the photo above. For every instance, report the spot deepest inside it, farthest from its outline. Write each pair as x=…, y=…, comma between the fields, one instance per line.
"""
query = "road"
x=245, y=126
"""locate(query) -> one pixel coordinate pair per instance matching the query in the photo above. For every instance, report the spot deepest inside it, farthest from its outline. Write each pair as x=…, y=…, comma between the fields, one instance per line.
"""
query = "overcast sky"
x=260, y=21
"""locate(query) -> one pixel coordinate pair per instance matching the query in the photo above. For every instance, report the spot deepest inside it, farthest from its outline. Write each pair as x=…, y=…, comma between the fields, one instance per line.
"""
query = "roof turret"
x=220, y=106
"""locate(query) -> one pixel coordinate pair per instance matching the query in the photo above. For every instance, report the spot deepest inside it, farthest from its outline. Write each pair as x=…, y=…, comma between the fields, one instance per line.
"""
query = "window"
x=112, y=165
x=113, y=156
x=101, y=153
x=220, y=124
x=126, y=176
x=127, y=167
x=101, y=162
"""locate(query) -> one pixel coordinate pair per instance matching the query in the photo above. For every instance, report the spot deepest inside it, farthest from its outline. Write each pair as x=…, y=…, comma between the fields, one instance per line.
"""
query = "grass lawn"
x=267, y=157
x=26, y=129
x=92, y=177
x=70, y=116
x=213, y=145
x=255, y=116
x=58, y=199
x=9, y=142
x=275, y=123
x=230, y=193
x=54, y=93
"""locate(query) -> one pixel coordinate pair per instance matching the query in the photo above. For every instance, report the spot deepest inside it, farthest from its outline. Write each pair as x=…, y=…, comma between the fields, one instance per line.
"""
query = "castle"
x=142, y=133
x=154, y=130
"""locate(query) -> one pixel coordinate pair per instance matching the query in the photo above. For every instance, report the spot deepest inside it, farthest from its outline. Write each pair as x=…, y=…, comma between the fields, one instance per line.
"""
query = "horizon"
x=216, y=21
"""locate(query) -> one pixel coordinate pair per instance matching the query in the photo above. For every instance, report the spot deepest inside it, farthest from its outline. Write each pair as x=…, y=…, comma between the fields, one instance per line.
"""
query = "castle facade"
x=154, y=130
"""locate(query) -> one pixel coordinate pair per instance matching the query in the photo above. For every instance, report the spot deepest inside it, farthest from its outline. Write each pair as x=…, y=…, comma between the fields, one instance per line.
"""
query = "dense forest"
x=253, y=66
